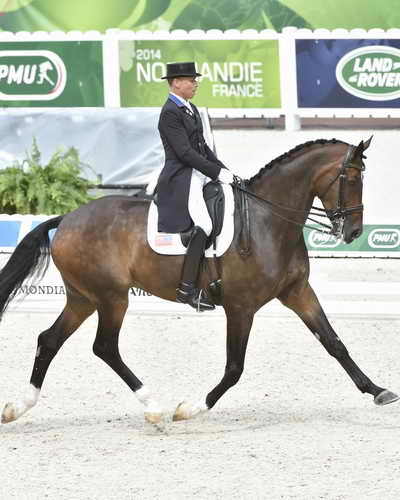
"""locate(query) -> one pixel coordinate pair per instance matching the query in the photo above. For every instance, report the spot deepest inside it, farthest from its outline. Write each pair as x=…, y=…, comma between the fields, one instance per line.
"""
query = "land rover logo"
x=384, y=238
x=322, y=240
x=31, y=75
x=371, y=73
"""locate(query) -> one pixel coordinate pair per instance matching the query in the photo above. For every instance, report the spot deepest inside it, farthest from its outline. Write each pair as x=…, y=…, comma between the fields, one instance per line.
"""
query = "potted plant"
x=28, y=187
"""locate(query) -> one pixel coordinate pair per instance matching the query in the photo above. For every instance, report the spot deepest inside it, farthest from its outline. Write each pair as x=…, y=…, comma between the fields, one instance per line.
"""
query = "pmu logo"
x=384, y=238
x=31, y=75
x=322, y=240
x=371, y=73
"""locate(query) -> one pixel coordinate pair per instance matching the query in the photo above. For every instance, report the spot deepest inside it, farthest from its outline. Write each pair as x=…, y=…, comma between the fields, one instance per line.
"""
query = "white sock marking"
x=150, y=404
x=20, y=407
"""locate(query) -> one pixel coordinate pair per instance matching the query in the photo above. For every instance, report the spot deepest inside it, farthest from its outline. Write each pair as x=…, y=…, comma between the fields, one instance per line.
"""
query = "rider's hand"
x=225, y=176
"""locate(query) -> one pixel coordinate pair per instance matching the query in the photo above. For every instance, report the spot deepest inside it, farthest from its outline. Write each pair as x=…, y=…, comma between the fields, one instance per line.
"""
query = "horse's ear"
x=367, y=143
x=359, y=150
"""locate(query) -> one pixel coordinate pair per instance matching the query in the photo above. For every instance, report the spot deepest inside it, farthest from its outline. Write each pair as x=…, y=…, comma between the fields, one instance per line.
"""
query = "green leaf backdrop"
x=66, y=15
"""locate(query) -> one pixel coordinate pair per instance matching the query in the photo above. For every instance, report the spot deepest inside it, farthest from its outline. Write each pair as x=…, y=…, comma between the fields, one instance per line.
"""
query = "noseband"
x=338, y=215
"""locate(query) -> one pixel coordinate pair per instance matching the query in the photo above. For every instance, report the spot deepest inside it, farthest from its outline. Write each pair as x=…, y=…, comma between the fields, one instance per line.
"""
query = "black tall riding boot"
x=188, y=293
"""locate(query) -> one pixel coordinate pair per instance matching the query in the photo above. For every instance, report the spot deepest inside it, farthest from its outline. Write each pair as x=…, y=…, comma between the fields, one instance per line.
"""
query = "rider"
x=189, y=164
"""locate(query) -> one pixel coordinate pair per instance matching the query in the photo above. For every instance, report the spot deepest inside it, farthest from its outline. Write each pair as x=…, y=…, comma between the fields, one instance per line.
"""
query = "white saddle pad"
x=171, y=244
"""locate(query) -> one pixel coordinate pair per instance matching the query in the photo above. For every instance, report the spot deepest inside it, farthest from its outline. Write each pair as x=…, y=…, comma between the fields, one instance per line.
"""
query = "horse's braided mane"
x=289, y=154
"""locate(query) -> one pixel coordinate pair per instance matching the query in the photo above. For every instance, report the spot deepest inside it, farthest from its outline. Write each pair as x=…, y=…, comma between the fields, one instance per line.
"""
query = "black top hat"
x=180, y=69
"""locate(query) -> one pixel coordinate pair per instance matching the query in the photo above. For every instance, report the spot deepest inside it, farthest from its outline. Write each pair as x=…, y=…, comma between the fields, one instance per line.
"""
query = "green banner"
x=236, y=73
x=59, y=74
x=381, y=239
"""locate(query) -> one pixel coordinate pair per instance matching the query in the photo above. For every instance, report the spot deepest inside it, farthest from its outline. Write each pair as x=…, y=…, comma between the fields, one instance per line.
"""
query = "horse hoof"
x=154, y=418
x=182, y=412
x=385, y=397
x=9, y=414
x=185, y=411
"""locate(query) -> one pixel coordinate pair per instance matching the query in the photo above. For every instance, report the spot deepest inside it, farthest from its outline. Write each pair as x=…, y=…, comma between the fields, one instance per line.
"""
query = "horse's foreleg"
x=111, y=315
x=303, y=301
x=49, y=343
x=238, y=330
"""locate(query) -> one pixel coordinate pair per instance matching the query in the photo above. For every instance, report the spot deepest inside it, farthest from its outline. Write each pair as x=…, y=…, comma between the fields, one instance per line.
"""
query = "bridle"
x=337, y=216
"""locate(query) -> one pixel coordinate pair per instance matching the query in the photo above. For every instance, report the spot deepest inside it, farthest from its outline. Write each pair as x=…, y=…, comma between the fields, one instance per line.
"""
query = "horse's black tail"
x=29, y=260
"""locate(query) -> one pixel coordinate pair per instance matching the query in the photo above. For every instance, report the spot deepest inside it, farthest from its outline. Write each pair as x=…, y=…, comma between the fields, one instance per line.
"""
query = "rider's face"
x=185, y=86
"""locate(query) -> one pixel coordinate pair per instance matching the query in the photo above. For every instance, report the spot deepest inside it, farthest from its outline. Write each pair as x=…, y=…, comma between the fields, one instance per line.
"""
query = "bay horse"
x=101, y=251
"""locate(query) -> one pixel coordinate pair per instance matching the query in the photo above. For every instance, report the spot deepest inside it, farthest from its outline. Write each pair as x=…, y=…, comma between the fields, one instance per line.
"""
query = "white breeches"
x=197, y=206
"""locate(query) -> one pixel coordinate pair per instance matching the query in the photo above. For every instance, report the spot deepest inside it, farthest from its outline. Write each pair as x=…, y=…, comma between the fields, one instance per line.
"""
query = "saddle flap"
x=214, y=198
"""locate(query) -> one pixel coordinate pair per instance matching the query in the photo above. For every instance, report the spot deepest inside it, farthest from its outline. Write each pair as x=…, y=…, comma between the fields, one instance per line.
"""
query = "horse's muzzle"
x=351, y=233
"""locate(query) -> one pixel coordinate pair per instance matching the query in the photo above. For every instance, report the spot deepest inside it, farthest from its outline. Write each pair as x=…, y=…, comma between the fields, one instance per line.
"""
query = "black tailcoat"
x=185, y=148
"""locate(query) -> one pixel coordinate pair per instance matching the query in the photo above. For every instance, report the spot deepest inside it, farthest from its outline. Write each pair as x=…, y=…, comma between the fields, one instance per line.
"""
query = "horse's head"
x=340, y=191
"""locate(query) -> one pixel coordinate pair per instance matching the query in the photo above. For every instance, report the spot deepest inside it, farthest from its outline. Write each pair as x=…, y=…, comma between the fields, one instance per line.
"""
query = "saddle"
x=214, y=197
x=222, y=201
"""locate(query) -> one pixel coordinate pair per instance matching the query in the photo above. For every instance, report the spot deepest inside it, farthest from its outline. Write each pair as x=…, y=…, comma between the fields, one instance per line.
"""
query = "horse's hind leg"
x=111, y=315
x=302, y=300
x=77, y=309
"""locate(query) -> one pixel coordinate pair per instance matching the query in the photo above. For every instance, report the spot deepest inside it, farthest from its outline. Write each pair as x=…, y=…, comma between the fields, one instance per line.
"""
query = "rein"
x=336, y=216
